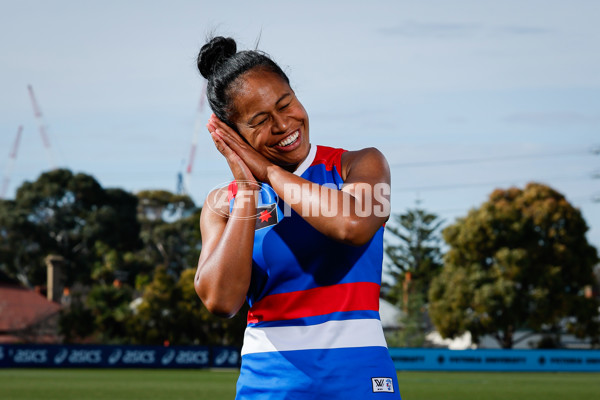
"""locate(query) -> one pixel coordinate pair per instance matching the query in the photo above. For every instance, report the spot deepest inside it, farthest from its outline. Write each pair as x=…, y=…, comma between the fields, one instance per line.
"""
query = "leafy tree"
x=521, y=260
x=197, y=325
x=154, y=320
x=20, y=251
x=169, y=230
x=171, y=311
x=65, y=214
x=100, y=315
x=416, y=256
x=76, y=322
x=415, y=259
x=109, y=306
x=112, y=241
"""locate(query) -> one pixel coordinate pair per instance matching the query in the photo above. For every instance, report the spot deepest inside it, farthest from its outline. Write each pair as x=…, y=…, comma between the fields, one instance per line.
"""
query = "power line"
x=480, y=184
x=476, y=160
x=575, y=201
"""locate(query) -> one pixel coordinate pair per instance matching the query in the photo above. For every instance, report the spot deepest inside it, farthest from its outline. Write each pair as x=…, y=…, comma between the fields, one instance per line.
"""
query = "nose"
x=280, y=124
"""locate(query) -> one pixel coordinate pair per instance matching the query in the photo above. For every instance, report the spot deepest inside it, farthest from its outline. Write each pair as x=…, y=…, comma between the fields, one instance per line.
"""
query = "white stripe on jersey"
x=328, y=335
x=307, y=161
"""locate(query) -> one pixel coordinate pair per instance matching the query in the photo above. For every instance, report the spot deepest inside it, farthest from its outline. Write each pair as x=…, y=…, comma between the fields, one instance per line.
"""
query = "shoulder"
x=324, y=155
x=364, y=161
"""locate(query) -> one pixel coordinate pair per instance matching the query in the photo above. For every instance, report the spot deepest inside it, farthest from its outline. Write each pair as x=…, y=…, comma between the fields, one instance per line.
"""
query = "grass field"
x=111, y=384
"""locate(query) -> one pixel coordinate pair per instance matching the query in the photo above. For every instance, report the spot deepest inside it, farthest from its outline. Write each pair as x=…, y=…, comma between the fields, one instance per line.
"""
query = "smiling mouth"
x=289, y=140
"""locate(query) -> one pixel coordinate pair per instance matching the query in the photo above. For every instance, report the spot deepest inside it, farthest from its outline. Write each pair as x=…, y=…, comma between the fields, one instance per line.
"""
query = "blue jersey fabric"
x=313, y=327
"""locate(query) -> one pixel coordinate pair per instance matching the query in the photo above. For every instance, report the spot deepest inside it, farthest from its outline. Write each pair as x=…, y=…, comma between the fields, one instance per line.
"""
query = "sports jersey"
x=313, y=326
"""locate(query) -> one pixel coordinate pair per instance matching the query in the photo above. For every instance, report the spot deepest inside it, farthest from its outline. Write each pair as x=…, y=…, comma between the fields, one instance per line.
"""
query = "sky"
x=461, y=96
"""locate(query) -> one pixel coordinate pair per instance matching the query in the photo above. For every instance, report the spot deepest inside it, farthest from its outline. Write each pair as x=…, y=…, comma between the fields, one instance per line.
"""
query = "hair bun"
x=214, y=53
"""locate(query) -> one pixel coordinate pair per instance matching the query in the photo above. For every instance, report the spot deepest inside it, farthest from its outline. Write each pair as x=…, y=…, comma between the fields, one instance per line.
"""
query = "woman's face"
x=270, y=117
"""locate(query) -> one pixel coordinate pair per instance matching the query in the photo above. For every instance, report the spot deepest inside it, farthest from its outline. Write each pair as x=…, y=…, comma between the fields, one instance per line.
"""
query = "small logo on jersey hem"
x=382, y=385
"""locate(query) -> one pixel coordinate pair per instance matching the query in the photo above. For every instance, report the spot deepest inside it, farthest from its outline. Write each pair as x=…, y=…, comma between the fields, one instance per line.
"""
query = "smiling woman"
x=300, y=238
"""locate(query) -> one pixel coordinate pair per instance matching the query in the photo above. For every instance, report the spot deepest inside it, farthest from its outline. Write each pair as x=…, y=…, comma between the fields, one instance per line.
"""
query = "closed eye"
x=262, y=121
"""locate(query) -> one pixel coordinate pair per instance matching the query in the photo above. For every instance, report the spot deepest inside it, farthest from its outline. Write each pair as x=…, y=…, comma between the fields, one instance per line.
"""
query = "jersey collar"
x=307, y=161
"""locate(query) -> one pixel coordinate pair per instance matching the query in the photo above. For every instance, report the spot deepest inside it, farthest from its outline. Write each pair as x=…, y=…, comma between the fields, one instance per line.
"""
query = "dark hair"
x=221, y=64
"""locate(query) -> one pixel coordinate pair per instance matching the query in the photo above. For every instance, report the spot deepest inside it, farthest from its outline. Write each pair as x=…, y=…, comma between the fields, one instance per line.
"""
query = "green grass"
x=498, y=385
x=116, y=384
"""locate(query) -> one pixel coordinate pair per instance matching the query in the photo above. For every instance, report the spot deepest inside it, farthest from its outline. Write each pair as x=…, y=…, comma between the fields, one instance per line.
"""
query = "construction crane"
x=42, y=127
x=183, y=184
x=12, y=157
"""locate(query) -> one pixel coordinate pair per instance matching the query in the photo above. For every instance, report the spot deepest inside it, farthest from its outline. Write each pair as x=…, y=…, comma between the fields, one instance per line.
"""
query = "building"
x=26, y=315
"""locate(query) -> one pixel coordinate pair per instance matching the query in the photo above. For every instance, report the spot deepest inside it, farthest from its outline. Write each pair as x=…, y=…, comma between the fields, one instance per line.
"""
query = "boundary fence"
x=496, y=360
x=109, y=356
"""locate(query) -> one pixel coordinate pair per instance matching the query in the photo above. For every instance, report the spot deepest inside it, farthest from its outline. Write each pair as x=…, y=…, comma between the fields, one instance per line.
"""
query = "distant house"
x=390, y=315
x=26, y=316
x=523, y=340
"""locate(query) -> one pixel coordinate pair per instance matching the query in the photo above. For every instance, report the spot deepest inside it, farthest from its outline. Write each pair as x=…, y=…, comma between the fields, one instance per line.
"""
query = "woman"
x=298, y=235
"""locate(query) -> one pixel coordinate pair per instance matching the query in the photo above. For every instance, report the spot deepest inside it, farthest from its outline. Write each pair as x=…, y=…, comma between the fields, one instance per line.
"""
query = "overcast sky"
x=510, y=89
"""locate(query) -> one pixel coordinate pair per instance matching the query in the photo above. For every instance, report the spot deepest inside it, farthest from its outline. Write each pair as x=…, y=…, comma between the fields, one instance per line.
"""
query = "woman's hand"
x=228, y=141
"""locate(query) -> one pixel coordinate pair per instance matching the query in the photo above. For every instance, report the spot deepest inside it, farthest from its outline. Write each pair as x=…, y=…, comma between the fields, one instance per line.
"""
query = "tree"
x=109, y=306
x=20, y=251
x=197, y=325
x=153, y=321
x=64, y=214
x=414, y=260
x=170, y=231
x=170, y=311
x=115, y=245
x=521, y=260
x=417, y=252
x=76, y=322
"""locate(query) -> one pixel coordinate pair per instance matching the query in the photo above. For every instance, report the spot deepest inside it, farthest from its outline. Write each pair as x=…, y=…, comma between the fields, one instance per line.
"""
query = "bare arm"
x=351, y=215
x=225, y=265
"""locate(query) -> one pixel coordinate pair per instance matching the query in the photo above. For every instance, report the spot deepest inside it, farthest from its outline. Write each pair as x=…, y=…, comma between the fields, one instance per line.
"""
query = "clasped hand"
x=246, y=164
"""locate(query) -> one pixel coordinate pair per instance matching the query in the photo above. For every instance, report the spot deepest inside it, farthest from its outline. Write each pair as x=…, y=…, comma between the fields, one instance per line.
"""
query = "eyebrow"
x=258, y=114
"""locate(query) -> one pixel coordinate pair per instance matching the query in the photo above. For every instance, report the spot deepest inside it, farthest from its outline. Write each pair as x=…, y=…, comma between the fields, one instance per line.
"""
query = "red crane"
x=198, y=126
x=42, y=127
x=12, y=157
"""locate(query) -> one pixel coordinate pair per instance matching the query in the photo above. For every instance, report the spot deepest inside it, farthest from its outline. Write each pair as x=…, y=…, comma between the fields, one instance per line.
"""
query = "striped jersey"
x=313, y=326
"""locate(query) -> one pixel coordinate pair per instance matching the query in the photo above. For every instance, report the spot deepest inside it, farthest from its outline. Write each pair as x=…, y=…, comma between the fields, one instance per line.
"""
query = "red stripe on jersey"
x=317, y=301
x=330, y=157
x=232, y=190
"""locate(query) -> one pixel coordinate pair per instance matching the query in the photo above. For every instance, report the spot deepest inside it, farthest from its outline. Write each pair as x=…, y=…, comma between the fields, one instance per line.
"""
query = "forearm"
x=343, y=216
x=223, y=277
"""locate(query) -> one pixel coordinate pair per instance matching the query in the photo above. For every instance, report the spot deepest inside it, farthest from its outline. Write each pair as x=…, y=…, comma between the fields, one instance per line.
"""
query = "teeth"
x=289, y=140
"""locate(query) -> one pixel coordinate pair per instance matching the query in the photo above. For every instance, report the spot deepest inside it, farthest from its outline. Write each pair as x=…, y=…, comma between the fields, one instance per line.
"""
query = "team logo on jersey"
x=266, y=216
x=382, y=385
